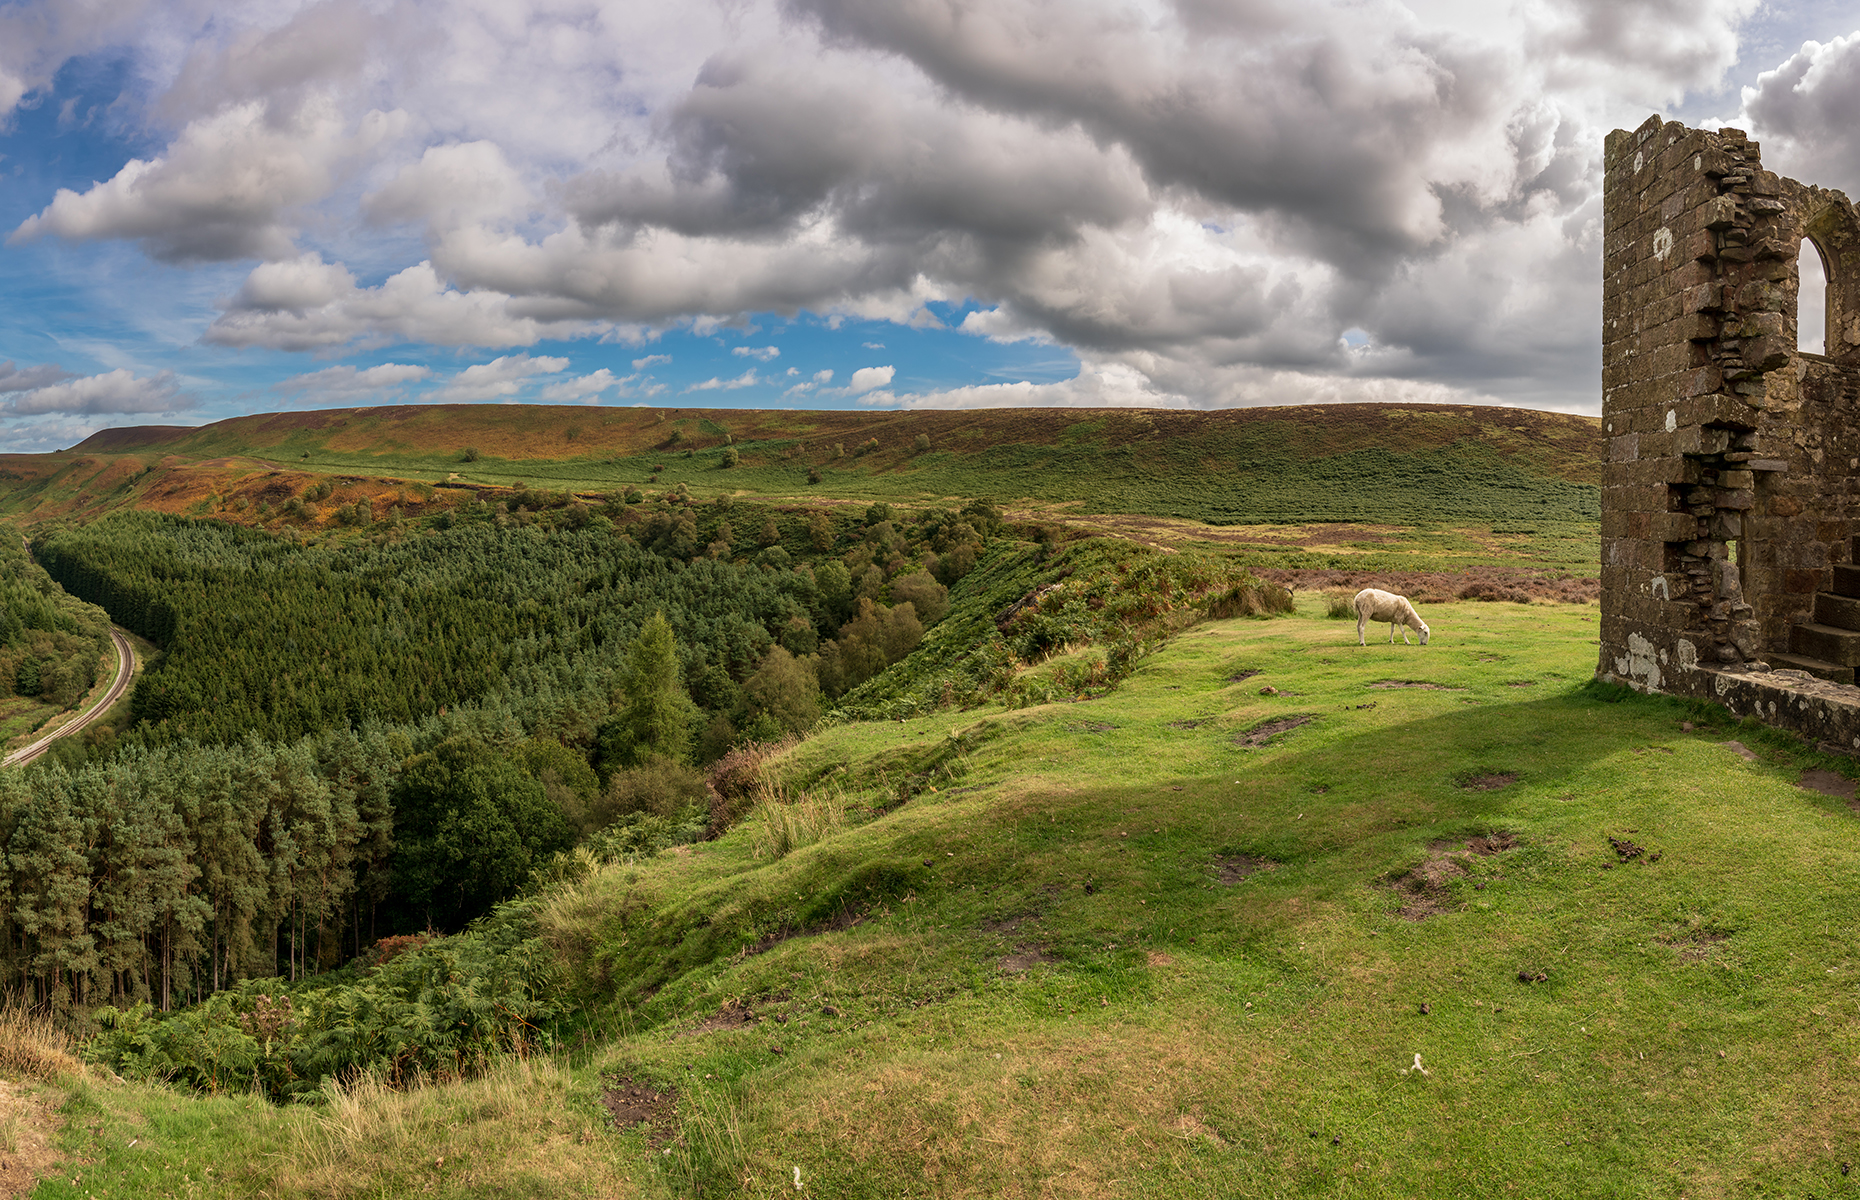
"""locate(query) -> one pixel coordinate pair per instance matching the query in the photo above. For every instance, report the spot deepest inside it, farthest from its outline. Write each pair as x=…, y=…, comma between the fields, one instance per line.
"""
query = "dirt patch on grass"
x=1742, y=751
x=1417, y=684
x=1829, y=783
x=1190, y=723
x=1232, y=868
x=1426, y=890
x=1259, y=735
x=1024, y=958
x=634, y=1102
x=1485, y=847
x=733, y=1015
x=1485, y=780
x=1694, y=945
x=1241, y=676
x=30, y=1128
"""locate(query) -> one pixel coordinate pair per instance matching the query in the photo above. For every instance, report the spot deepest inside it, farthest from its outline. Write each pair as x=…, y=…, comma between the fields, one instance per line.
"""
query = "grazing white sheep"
x=1374, y=604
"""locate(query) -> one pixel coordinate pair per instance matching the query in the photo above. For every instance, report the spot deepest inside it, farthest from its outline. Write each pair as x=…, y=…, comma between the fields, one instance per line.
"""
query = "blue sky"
x=842, y=203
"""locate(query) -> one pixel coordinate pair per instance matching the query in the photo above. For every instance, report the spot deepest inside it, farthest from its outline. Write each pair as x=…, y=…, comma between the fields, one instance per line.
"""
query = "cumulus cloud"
x=24, y=379
x=500, y=378
x=118, y=391
x=748, y=378
x=585, y=389
x=227, y=188
x=308, y=304
x=651, y=360
x=342, y=385
x=1804, y=113
x=759, y=353
x=867, y=378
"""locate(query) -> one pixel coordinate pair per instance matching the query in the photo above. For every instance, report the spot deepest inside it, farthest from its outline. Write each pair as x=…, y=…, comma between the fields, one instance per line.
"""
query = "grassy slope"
x=1178, y=1035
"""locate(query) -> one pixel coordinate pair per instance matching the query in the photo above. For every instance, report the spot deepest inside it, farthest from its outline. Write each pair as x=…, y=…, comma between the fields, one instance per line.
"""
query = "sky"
x=208, y=210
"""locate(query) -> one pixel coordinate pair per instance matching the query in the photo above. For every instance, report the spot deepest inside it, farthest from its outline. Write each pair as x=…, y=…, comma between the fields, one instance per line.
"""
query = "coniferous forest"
x=348, y=746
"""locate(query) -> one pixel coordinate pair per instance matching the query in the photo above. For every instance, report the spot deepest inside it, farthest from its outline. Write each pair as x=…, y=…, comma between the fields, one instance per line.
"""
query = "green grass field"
x=1146, y=945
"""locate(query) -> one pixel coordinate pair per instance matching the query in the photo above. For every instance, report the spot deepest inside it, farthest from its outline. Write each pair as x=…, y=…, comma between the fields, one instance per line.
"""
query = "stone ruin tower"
x=1731, y=494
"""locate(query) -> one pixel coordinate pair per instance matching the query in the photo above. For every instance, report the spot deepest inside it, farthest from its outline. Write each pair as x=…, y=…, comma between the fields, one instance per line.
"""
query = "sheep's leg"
x=1391, y=633
x=1404, y=634
x=1362, y=622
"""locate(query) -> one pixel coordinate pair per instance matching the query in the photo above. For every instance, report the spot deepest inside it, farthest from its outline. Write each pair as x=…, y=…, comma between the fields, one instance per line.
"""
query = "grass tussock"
x=788, y=819
x=33, y=1046
x=1340, y=606
x=504, y=1132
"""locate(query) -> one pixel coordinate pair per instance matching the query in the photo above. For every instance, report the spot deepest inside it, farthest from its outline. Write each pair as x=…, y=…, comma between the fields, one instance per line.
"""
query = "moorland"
x=527, y=801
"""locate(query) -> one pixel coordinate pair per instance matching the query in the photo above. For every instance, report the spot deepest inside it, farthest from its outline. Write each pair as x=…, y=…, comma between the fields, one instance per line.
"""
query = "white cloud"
x=452, y=185
x=119, y=391
x=867, y=378
x=873, y=345
x=824, y=377
x=651, y=360
x=500, y=378
x=341, y=385
x=759, y=353
x=1804, y=113
x=715, y=384
x=585, y=389
x=23, y=379
x=307, y=304
x=229, y=187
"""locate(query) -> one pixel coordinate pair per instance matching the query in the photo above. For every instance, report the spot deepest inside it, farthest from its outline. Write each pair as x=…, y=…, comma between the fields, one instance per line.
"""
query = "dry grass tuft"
x=508, y=1130
x=32, y=1046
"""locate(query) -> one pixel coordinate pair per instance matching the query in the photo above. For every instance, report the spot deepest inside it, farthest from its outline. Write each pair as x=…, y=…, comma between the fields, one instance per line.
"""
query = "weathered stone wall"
x=1733, y=478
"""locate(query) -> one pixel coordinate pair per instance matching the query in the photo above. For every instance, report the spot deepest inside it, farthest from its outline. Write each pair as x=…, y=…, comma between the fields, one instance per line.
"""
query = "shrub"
x=731, y=457
x=469, y=454
x=1339, y=606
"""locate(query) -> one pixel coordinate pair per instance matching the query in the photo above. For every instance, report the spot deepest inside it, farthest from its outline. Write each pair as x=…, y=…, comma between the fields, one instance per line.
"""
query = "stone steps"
x=1832, y=672
x=1830, y=643
x=1829, y=646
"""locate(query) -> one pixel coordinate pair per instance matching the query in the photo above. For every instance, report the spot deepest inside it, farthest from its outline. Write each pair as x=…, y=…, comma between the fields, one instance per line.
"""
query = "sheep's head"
x=1424, y=633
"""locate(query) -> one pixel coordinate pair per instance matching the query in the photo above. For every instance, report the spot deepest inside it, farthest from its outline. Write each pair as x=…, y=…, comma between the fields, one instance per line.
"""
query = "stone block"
x=1720, y=213
x=1702, y=382
x=1624, y=448
x=1736, y=479
x=1738, y=498
x=1674, y=527
x=1706, y=297
x=1798, y=581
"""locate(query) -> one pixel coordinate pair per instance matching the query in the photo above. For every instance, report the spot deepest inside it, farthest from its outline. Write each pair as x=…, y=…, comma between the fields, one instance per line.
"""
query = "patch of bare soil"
x=1419, y=685
x=733, y=1015
x=1742, y=751
x=1235, y=867
x=1241, y=676
x=1190, y=723
x=1695, y=945
x=1425, y=889
x=1259, y=735
x=634, y=1102
x=1486, y=781
x=1628, y=852
x=30, y=1128
x=1830, y=783
x=1024, y=958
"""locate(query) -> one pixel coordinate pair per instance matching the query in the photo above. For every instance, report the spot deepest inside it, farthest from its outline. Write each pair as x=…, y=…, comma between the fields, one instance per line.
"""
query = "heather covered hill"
x=1237, y=466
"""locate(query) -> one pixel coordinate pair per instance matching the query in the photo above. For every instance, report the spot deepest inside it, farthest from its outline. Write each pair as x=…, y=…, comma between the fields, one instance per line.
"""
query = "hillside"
x=1285, y=917
x=1237, y=466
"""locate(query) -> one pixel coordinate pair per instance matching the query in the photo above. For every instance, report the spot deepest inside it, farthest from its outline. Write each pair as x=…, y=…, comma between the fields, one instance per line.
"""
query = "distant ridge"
x=131, y=437
x=1401, y=463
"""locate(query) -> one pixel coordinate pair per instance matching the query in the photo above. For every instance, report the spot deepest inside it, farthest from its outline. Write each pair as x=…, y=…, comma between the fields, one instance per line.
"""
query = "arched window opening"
x=1811, y=300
